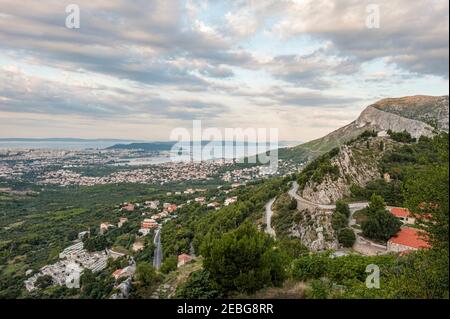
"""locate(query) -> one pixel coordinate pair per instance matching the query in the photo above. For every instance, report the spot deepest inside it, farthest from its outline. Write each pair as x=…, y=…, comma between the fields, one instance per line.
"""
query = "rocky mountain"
x=356, y=164
x=427, y=109
x=418, y=115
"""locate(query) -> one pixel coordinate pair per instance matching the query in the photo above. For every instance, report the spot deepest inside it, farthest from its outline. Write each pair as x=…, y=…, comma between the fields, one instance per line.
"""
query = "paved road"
x=157, y=258
x=293, y=193
x=268, y=217
x=361, y=245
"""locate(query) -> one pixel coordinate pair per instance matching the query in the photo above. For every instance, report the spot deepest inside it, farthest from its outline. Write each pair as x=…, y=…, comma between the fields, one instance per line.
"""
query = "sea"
x=217, y=150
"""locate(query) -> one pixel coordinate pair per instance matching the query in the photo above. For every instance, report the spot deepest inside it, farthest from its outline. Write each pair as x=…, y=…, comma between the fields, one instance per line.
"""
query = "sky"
x=137, y=69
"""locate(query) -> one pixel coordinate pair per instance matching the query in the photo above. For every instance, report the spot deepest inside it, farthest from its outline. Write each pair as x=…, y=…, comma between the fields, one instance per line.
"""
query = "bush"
x=346, y=237
x=367, y=134
x=319, y=289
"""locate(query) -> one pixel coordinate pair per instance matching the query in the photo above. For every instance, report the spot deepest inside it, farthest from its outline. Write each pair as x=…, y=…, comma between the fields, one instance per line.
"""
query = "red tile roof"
x=117, y=273
x=184, y=258
x=411, y=237
x=400, y=212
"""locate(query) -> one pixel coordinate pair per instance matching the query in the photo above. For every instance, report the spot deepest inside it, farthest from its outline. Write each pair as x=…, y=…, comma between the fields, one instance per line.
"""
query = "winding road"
x=362, y=245
x=293, y=193
x=268, y=217
x=157, y=255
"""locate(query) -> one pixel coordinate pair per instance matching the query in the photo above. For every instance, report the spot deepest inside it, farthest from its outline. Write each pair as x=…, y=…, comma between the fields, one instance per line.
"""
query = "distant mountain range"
x=167, y=146
x=63, y=139
x=418, y=115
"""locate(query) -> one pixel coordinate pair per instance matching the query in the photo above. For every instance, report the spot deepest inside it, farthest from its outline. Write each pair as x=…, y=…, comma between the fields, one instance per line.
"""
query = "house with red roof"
x=128, y=208
x=183, y=259
x=116, y=274
x=408, y=239
x=149, y=223
x=404, y=215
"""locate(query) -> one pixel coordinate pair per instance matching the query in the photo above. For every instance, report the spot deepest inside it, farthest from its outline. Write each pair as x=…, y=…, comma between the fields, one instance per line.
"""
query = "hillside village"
x=74, y=259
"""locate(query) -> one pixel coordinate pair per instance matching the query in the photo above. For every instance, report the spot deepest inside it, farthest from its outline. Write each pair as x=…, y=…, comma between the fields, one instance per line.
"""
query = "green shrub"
x=198, y=286
x=338, y=221
x=346, y=237
x=310, y=267
x=343, y=208
x=169, y=264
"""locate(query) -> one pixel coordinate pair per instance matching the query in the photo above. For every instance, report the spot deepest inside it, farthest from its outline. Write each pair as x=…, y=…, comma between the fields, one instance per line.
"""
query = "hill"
x=418, y=115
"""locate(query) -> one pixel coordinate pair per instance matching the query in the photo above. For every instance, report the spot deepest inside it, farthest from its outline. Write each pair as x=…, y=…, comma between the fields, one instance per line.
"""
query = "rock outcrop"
x=358, y=164
x=315, y=230
x=432, y=110
x=379, y=120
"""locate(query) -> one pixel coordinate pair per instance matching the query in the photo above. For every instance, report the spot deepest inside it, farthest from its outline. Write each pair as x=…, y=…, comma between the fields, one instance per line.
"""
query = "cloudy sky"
x=136, y=69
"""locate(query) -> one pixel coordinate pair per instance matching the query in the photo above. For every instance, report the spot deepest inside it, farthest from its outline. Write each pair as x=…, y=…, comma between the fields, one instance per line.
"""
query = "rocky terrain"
x=315, y=231
x=427, y=109
x=358, y=164
x=419, y=115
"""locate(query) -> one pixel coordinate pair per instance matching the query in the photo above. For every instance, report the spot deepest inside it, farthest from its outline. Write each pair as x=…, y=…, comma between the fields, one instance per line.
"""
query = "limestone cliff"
x=314, y=230
x=357, y=164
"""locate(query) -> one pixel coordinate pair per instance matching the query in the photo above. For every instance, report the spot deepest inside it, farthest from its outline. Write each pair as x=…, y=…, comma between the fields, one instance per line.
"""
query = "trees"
x=169, y=264
x=243, y=260
x=198, y=286
x=96, y=243
x=376, y=203
x=293, y=248
x=44, y=281
x=147, y=280
x=391, y=192
x=403, y=137
x=346, y=237
x=338, y=221
x=343, y=208
x=145, y=273
x=380, y=224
